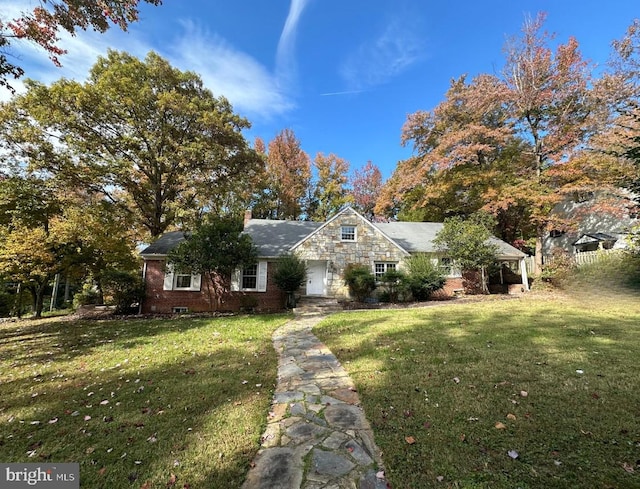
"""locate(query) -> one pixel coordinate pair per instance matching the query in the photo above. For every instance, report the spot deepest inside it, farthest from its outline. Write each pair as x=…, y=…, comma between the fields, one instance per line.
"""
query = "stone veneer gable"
x=371, y=246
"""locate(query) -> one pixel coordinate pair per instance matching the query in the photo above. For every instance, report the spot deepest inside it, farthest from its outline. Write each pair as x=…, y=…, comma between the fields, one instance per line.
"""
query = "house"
x=327, y=249
x=591, y=221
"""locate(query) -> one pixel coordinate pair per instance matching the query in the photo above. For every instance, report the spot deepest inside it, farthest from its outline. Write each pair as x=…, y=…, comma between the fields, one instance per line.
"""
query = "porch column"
x=523, y=273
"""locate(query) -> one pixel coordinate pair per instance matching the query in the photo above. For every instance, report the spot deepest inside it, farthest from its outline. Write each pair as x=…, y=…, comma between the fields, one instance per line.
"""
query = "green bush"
x=423, y=277
x=122, y=289
x=360, y=280
x=88, y=295
x=392, y=281
x=290, y=274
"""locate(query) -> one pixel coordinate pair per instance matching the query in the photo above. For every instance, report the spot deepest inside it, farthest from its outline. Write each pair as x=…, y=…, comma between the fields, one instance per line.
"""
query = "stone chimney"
x=247, y=217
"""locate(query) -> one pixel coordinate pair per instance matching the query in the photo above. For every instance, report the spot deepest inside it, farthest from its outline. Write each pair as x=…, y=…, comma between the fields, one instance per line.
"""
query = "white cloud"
x=286, y=46
x=226, y=71
x=392, y=52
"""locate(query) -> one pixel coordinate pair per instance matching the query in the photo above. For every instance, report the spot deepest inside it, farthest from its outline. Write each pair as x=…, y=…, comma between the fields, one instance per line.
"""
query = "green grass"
x=138, y=403
x=446, y=375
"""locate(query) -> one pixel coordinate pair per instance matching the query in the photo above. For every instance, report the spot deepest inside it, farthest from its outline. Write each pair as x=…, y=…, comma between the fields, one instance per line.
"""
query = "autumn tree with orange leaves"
x=286, y=182
x=366, y=184
x=510, y=144
x=42, y=24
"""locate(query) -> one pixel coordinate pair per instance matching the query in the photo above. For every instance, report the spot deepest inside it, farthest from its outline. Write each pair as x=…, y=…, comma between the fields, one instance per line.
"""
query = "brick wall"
x=162, y=301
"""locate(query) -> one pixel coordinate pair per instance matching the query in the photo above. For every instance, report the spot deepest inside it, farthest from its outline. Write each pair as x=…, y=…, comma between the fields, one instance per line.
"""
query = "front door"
x=316, y=278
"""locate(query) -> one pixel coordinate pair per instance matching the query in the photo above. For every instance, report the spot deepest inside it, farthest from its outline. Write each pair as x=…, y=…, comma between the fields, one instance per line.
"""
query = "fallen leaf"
x=87, y=418
x=500, y=426
x=512, y=417
x=456, y=380
x=427, y=425
x=524, y=393
x=628, y=468
x=380, y=474
x=463, y=437
x=595, y=395
x=172, y=480
x=513, y=454
x=146, y=485
x=104, y=403
x=54, y=420
x=440, y=478
x=102, y=470
x=410, y=440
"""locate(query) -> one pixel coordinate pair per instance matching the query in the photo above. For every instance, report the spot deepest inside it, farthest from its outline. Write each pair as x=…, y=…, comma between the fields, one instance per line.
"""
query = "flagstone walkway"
x=317, y=436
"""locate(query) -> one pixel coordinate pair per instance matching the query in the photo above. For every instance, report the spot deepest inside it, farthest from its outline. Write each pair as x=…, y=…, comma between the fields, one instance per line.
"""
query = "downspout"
x=144, y=281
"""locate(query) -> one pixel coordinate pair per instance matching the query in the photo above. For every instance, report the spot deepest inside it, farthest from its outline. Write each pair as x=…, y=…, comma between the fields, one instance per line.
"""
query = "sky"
x=342, y=74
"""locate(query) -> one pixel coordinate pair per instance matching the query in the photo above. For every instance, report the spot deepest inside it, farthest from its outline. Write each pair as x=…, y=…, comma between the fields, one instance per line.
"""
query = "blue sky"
x=342, y=74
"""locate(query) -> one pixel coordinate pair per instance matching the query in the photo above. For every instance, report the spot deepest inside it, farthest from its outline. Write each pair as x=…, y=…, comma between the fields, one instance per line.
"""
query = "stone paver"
x=317, y=436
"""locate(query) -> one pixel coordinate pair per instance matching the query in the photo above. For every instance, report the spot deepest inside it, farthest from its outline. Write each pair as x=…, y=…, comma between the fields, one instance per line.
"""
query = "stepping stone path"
x=317, y=436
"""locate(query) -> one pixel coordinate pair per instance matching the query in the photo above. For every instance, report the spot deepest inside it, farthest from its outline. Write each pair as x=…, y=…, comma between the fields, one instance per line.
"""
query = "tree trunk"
x=38, y=302
x=538, y=253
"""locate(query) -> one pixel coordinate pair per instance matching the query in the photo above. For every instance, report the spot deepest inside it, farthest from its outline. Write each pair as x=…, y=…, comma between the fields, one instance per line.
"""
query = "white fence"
x=580, y=259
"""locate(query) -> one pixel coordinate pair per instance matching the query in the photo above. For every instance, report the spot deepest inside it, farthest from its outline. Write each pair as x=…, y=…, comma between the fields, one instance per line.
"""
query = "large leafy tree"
x=466, y=153
x=502, y=142
x=147, y=136
x=330, y=192
x=215, y=249
x=42, y=23
x=366, y=184
x=287, y=178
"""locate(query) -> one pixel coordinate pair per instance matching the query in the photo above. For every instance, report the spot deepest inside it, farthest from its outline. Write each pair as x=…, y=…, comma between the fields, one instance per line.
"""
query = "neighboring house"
x=591, y=221
x=327, y=249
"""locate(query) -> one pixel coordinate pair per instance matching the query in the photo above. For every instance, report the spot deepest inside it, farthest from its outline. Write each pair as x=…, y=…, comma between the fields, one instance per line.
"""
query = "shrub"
x=123, y=289
x=360, y=280
x=290, y=274
x=558, y=269
x=88, y=295
x=423, y=277
x=392, y=281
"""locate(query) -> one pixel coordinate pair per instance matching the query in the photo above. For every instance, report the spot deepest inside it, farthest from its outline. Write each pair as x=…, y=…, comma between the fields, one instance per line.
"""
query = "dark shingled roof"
x=274, y=238
x=164, y=244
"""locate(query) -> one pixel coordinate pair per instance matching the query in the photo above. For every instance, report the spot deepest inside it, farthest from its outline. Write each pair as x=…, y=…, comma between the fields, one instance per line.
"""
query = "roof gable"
x=348, y=211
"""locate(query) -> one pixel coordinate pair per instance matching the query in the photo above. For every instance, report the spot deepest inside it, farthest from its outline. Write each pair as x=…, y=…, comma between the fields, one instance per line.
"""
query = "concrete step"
x=317, y=305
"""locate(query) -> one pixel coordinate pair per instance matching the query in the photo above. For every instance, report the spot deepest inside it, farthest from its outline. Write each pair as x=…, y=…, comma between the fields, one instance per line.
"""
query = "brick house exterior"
x=327, y=248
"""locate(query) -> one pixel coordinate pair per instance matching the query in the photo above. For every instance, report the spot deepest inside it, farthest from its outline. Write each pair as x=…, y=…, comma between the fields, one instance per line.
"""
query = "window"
x=449, y=267
x=183, y=281
x=250, y=278
x=348, y=233
x=556, y=233
x=380, y=268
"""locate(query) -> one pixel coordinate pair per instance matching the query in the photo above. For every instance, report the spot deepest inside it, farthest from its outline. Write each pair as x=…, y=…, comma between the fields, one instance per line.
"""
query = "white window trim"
x=171, y=279
x=261, y=282
x=355, y=233
x=451, y=269
x=386, y=267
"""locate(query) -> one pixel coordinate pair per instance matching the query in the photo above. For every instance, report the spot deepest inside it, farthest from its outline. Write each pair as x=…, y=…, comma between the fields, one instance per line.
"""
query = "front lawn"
x=520, y=393
x=144, y=404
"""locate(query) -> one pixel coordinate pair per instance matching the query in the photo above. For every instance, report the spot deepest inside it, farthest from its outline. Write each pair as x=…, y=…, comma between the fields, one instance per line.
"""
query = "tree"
x=496, y=144
x=467, y=243
x=330, y=193
x=288, y=175
x=147, y=136
x=466, y=153
x=290, y=274
x=366, y=185
x=42, y=25
x=423, y=277
x=215, y=249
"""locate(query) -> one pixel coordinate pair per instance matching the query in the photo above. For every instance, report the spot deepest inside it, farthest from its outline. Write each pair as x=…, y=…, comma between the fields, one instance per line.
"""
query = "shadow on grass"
x=138, y=401
x=560, y=379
